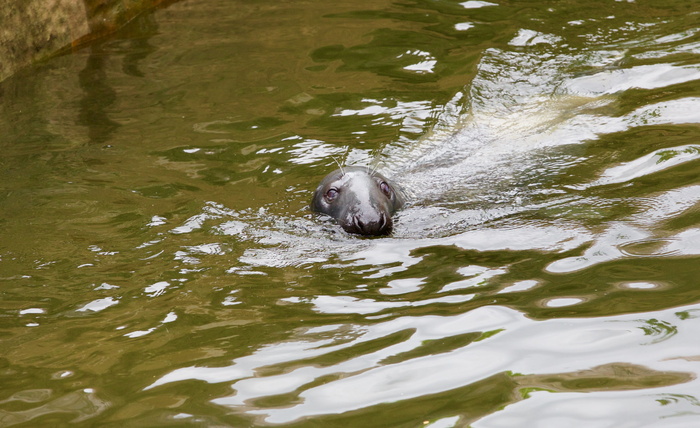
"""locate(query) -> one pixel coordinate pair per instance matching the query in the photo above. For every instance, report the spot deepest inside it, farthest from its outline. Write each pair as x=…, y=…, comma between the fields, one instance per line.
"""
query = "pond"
x=159, y=265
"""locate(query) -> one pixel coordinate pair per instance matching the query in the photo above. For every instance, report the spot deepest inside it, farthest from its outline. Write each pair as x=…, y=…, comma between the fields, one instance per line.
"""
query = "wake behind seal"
x=361, y=200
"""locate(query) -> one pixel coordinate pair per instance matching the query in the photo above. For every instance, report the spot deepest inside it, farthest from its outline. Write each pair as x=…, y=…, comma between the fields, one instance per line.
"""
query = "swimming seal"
x=361, y=200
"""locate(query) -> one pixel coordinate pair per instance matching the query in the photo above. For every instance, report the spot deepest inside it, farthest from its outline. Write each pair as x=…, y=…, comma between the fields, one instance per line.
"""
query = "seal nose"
x=382, y=225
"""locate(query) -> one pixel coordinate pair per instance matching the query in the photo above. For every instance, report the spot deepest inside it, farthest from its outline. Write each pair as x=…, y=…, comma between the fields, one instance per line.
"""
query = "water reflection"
x=78, y=406
x=138, y=48
x=337, y=369
x=98, y=97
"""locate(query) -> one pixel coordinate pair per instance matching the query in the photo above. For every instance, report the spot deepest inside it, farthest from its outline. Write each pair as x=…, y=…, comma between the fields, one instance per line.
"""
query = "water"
x=159, y=266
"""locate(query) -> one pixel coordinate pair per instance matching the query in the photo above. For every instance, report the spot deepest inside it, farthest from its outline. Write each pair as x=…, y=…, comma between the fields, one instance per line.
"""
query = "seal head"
x=361, y=201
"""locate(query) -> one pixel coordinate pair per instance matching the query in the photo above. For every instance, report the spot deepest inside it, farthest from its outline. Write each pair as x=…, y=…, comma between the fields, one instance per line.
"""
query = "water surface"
x=159, y=266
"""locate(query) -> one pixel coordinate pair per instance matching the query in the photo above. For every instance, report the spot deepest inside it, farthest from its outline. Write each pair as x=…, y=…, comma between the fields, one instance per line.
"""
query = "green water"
x=159, y=266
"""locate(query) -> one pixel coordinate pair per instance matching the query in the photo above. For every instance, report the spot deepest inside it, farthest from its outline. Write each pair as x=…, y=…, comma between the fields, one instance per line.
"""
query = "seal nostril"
x=386, y=225
x=358, y=224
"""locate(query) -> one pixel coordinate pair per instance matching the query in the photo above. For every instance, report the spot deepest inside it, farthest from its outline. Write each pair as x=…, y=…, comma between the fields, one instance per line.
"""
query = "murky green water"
x=159, y=267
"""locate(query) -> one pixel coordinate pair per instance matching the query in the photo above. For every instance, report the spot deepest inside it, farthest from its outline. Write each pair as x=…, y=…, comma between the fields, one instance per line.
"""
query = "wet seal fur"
x=361, y=200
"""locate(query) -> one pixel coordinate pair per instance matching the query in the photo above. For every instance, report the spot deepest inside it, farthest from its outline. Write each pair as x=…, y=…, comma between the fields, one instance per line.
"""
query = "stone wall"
x=34, y=29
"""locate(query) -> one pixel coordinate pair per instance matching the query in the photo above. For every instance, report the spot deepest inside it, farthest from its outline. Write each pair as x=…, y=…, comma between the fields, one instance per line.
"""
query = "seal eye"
x=385, y=188
x=331, y=194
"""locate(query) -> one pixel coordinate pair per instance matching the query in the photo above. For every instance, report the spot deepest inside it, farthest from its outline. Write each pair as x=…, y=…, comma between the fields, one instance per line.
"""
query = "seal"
x=361, y=200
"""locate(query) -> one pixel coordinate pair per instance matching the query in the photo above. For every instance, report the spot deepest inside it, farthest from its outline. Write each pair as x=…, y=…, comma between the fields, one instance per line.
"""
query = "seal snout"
x=382, y=225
